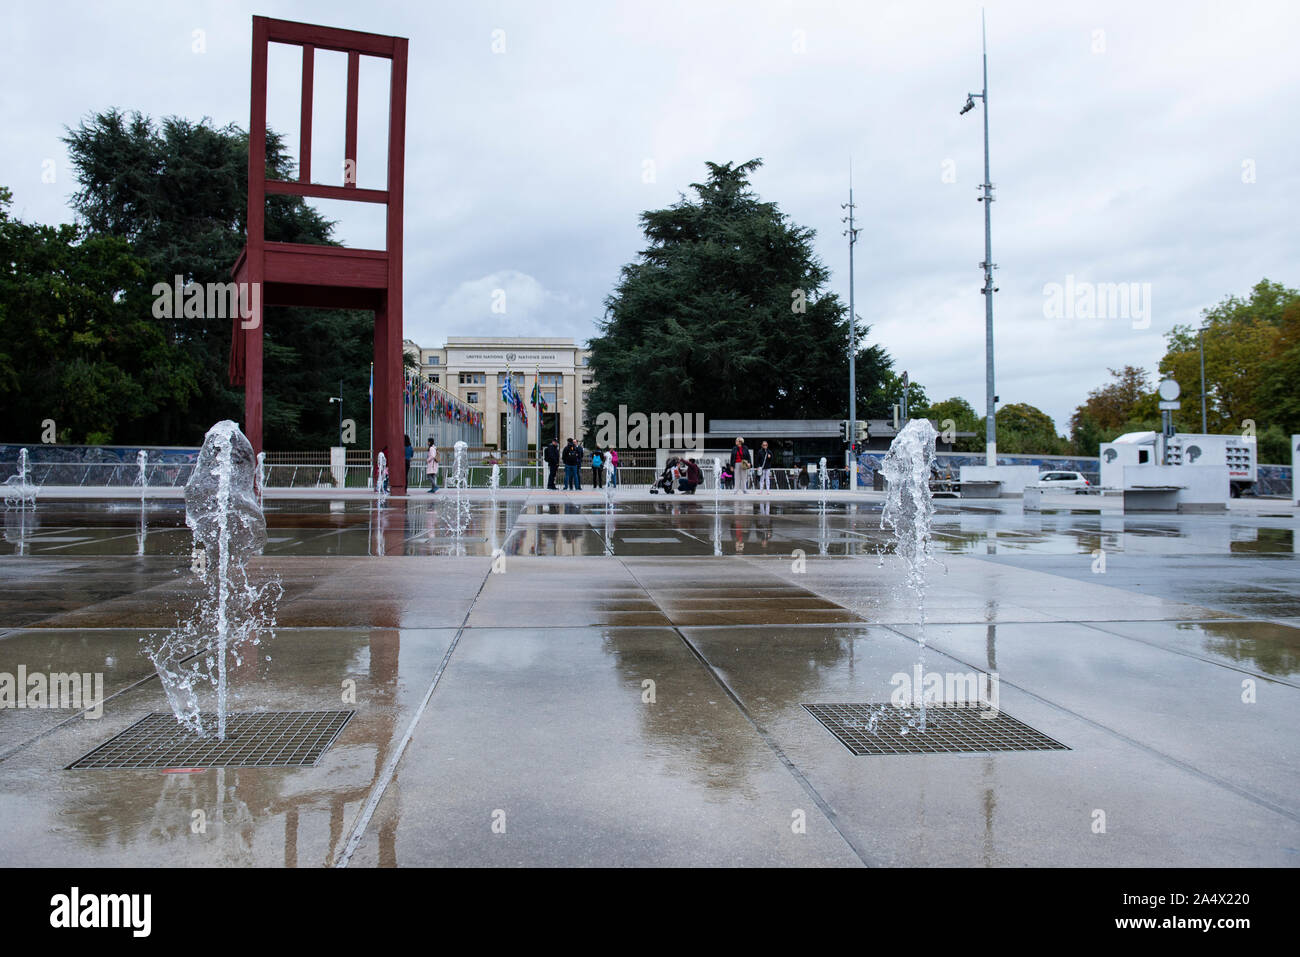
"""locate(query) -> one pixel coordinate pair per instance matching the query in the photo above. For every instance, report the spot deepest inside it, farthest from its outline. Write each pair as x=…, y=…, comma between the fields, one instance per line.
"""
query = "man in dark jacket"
x=552, y=456
x=572, y=459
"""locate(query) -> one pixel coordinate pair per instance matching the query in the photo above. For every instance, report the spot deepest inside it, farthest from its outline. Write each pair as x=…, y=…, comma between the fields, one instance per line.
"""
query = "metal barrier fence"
x=102, y=474
x=313, y=470
x=115, y=466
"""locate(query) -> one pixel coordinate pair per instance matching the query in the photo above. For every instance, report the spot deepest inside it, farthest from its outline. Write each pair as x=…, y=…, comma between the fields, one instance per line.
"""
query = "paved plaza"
x=557, y=683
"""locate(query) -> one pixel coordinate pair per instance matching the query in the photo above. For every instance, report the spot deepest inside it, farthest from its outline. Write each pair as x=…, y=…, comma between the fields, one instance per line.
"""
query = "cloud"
x=502, y=303
x=525, y=169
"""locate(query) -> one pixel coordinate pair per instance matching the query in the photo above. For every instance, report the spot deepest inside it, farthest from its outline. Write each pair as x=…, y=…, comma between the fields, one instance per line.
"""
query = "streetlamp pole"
x=1200, y=338
x=537, y=408
x=852, y=233
x=339, y=399
x=990, y=424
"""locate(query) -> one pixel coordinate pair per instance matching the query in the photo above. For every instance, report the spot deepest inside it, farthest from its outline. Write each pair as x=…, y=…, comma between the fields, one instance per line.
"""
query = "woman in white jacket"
x=431, y=466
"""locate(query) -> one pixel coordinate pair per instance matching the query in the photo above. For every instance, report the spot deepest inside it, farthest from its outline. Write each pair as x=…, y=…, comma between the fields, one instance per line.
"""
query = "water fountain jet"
x=909, y=512
x=460, y=481
x=381, y=480
x=19, y=491
x=231, y=616
x=609, y=489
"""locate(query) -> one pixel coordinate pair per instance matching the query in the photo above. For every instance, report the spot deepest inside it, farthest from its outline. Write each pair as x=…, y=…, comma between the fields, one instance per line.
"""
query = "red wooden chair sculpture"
x=297, y=274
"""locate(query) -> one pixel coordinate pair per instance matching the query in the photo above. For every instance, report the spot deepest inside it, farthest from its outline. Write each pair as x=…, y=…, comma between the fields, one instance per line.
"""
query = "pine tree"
x=726, y=313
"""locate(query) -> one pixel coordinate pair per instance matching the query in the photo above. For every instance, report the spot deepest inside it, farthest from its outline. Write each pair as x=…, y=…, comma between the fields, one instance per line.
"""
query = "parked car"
x=1064, y=480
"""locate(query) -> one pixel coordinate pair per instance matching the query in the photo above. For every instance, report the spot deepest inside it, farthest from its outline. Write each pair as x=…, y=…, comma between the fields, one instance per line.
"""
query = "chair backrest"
x=356, y=45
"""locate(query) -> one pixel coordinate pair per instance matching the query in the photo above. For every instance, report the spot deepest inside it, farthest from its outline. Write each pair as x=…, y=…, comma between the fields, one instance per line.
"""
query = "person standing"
x=408, y=452
x=763, y=462
x=597, y=469
x=611, y=455
x=740, y=463
x=582, y=454
x=552, y=456
x=431, y=465
x=572, y=459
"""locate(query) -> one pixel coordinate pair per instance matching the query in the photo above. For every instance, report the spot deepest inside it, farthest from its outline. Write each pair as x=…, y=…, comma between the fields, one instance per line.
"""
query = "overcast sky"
x=1149, y=143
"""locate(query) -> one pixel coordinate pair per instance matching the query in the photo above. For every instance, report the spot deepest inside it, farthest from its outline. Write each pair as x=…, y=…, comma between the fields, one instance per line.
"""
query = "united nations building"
x=474, y=370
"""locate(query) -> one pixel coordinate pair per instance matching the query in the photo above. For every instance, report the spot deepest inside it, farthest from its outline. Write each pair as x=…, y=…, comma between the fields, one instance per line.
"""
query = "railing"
x=103, y=474
x=313, y=470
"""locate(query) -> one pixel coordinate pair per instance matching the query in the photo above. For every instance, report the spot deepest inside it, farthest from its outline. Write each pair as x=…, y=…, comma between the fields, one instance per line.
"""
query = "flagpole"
x=372, y=425
x=537, y=407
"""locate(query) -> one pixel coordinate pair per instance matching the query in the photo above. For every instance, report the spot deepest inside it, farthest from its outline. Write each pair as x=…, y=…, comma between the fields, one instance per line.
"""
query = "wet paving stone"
x=629, y=686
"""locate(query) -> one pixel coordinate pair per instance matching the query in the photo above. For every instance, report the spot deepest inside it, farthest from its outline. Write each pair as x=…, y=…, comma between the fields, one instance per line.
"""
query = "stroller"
x=667, y=480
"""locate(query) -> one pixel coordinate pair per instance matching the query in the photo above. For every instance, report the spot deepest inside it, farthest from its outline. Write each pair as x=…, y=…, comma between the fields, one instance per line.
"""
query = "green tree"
x=725, y=312
x=1273, y=446
x=963, y=416
x=1125, y=404
x=73, y=336
x=1245, y=355
x=1025, y=430
x=1115, y=403
x=1279, y=386
x=176, y=192
x=884, y=390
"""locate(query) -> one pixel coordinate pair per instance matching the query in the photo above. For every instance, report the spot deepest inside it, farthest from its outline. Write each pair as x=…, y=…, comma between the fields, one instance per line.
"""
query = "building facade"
x=474, y=368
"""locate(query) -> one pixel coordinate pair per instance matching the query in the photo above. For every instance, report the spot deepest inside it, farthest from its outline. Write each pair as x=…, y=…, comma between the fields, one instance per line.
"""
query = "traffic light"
x=862, y=433
x=846, y=430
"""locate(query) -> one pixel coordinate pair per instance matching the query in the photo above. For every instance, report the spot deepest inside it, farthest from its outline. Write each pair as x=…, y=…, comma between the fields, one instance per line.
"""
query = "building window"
x=473, y=378
x=518, y=378
x=552, y=378
x=550, y=400
x=433, y=378
x=586, y=360
x=432, y=360
x=471, y=398
x=588, y=380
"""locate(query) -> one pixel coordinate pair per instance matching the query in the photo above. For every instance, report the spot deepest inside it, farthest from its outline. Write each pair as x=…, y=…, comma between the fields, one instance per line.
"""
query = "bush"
x=1273, y=446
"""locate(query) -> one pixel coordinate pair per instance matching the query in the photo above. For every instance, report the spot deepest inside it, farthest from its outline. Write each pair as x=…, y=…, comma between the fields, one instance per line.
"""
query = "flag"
x=539, y=400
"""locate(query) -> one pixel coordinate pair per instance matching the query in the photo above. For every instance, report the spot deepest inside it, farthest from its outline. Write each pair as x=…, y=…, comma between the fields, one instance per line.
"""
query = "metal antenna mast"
x=990, y=428
x=852, y=233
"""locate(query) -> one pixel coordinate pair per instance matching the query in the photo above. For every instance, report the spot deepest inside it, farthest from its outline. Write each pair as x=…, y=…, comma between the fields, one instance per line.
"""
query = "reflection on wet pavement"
x=423, y=527
x=626, y=686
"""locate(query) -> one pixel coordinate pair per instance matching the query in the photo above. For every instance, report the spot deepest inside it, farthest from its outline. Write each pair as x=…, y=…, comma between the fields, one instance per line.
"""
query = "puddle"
x=685, y=526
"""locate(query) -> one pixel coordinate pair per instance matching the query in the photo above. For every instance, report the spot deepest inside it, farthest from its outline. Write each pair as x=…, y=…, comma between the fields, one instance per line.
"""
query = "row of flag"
x=434, y=403
x=511, y=398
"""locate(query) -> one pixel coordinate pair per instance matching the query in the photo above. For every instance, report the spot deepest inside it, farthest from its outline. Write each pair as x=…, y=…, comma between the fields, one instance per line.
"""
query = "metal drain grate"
x=254, y=739
x=886, y=729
